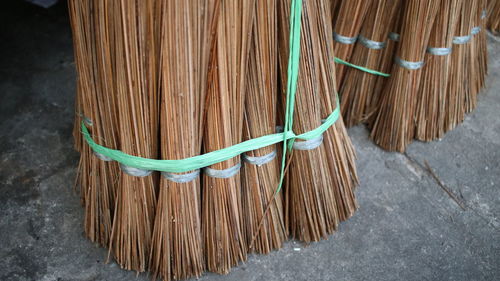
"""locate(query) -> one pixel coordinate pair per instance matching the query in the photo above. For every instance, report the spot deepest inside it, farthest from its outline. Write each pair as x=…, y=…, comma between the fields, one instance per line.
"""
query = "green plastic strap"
x=207, y=159
x=210, y=158
x=291, y=86
x=371, y=71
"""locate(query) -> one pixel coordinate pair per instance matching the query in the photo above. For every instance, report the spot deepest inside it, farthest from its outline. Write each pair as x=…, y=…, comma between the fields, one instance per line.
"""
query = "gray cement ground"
x=408, y=227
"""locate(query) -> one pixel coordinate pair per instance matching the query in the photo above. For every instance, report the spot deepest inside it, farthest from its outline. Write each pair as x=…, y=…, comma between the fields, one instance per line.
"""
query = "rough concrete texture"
x=407, y=228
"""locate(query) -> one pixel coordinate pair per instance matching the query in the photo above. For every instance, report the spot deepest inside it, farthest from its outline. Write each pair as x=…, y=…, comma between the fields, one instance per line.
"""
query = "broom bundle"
x=459, y=95
x=263, y=212
x=315, y=201
x=96, y=178
x=358, y=86
x=386, y=63
x=173, y=80
x=222, y=214
x=474, y=60
x=137, y=103
x=493, y=18
x=340, y=152
x=481, y=40
x=431, y=101
x=439, y=89
x=350, y=17
x=177, y=250
x=394, y=125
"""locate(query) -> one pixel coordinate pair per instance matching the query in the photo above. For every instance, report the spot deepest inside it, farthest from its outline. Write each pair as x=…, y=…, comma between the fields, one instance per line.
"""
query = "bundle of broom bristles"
x=171, y=80
x=416, y=67
x=176, y=79
x=493, y=21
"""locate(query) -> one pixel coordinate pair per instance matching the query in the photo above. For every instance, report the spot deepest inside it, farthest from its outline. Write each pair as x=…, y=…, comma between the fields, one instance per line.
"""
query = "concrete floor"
x=408, y=227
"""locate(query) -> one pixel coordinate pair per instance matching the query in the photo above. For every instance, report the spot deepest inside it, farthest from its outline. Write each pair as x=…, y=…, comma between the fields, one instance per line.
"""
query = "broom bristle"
x=340, y=151
x=394, y=126
x=459, y=82
x=350, y=17
x=310, y=201
x=431, y=102
x=96, y=178
x=222, y=221
x=494, y=16
x=386, y=64
x=138, y=125
x=483, y=47
x=177, y=250
x=474, y=60
x=264, y=231
x=358, y=86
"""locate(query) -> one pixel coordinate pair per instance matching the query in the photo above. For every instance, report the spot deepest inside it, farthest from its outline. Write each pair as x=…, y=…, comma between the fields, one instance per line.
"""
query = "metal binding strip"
x=411, y=65
x=439, y=51
x=259, y=160
x=308, y=144
x=102, y=156
x=181, y=178
x=457, y=40
x=134, y=171
x=370, y=44
x=394, y=36
x=222, y=174
x=475, y=30
x=344, y=39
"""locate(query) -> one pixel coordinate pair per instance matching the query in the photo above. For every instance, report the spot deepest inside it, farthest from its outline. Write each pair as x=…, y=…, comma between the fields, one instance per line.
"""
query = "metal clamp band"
x=222, y=174
x=411, y=65
x=457, y=40
x=308, y=144
x=370, y=44
x=344, y=39
x=134, y=171
x=181, y=178
x=394, y=36
x=259, y=160
x=439, y=51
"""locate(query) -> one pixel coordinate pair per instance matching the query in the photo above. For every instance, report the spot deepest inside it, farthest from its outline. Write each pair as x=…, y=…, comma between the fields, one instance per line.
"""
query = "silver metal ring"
x=344, y=39
x=181, y=178
x=475, y=30
x=102, y=156
x=134, y=171
x=259, y=160
x=438, y=51
x=308, y=144
x=458, y=40
x=411, y=65
x=222, y=174
x=370, y=44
